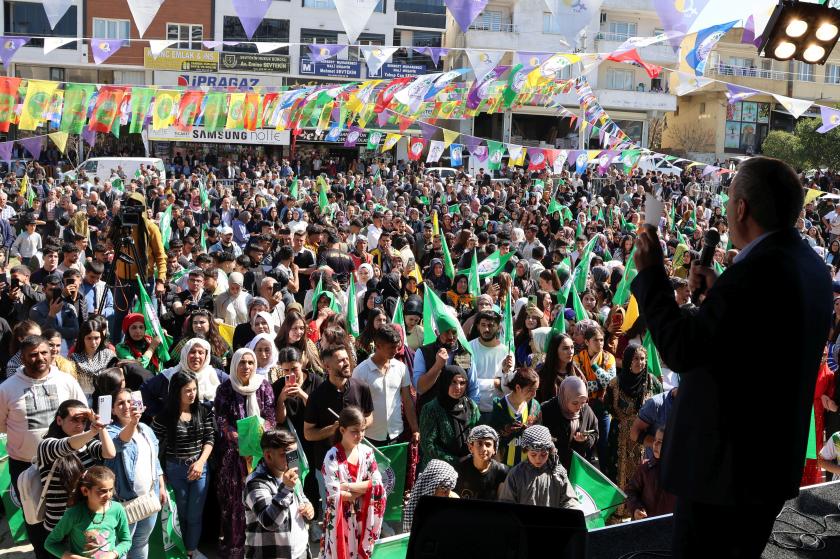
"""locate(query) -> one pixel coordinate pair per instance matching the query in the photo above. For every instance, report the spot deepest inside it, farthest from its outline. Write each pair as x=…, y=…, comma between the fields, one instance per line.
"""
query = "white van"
x=103, y=167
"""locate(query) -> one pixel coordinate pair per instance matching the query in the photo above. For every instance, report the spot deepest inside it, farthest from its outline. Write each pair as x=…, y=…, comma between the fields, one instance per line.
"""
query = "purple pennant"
x=472, y=142
x=104, y=48
x=353, y=135
x=735, y=93
x=532, y=59
x=428, y=130
x=89, y=136
x=830, y=119
x=678, y=16
x=212, y=45
x=251, y=13
x=435, y=53
x=319, y=53
x=33, y=146
x=749, y=31
x=478, y=90
x=10, y=47
x=6, y=151
x=382, y=118
x=465, y=11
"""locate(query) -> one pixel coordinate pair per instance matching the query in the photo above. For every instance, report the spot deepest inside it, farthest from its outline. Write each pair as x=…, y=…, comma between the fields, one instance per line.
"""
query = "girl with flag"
x=137, y=345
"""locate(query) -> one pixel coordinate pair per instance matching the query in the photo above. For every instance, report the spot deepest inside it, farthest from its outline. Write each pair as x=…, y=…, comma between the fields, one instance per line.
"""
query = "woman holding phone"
x=136, y=467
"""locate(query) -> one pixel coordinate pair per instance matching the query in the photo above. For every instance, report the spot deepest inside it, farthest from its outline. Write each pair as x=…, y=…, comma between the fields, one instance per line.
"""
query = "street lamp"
x=800, y=31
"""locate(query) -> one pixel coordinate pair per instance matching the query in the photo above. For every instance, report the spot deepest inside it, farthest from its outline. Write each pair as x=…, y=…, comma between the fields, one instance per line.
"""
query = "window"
x=620, y=79
x=767, y=69
x=804, y=72
x=330, y=5
x=702, y=108
x=623, y=29
x=189, y=36
x=364, y=39
x=270, y=30
x=420, y=6
x=57, y=74
x=29, y=18
x=491, y=20
x=112, y=29
x=832, y=73
x=317, y=37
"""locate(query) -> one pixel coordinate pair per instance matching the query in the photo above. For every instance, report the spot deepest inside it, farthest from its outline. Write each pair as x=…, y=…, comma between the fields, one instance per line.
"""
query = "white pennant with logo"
x=483, y=62
x=376, y=56
x=354, y=15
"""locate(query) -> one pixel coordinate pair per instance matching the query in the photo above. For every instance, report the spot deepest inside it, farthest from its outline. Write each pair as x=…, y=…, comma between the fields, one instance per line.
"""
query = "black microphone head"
x=711, y=238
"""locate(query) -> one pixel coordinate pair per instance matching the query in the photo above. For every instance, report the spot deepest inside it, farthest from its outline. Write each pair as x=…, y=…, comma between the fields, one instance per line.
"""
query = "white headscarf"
x=272, y=360
x=206, y=378
x=248, y=391
x=268, y=318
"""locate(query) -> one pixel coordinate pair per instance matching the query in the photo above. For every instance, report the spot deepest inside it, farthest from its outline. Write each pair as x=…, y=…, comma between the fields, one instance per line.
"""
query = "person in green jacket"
x=95, y=527
x=514, y=412
x=137, y=345
x=445, y=422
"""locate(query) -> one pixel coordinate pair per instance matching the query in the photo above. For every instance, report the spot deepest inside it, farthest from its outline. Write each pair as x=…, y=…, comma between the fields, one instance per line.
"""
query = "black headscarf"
x=458, y=410
x=631, y=384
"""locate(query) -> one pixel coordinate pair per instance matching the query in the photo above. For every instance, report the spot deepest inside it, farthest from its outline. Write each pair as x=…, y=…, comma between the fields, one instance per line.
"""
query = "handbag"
x=143, y=507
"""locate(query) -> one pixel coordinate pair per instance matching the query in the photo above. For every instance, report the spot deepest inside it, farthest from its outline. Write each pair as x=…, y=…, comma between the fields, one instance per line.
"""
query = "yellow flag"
x=236, y=112
x=24, y=184
x=39, y=94
x=324, y=121
x=390, y=141
x=548, y=70
x=166, y=104
x=226, y=332
x=631, y=315
x=59, y=139
x=449, y=136
x=519, y=161
x=435, y=226
x=812, y=194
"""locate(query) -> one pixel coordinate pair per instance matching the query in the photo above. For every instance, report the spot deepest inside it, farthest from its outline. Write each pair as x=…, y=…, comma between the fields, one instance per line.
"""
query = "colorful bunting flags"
x=103, y=49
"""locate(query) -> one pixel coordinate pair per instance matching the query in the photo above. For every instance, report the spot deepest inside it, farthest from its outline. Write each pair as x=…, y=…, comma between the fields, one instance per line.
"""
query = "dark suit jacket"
x=748, y=362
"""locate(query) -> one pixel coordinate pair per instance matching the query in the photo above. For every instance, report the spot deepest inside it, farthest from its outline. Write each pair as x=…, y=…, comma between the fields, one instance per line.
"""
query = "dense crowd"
x=300, y=296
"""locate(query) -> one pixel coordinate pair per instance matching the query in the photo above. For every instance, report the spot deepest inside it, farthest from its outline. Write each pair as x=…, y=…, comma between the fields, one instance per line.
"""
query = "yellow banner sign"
x=182, y=60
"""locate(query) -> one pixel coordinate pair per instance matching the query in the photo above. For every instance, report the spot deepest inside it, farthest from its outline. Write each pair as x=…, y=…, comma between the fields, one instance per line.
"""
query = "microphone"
x=710, y=242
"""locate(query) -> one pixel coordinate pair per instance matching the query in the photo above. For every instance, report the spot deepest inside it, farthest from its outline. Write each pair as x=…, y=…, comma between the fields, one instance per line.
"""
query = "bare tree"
x=656, y=128
x=692, y=138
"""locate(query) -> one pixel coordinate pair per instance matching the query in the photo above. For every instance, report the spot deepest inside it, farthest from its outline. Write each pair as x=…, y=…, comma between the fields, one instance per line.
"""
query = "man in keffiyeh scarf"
x=439, y=478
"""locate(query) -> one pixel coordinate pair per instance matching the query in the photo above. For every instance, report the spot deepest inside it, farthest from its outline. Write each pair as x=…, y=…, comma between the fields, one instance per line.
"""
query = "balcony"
x=636, y=100
x=660, y=53
x=495, y=27
x=772, y=81
x=491, y=36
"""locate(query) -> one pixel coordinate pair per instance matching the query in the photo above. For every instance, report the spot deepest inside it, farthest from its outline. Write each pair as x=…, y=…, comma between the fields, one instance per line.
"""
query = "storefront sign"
x=273, y=63
x=183, y=79
x=331, y=68
x=183, y=60
x=198, y=134
x=316, y=136
x=389, y=71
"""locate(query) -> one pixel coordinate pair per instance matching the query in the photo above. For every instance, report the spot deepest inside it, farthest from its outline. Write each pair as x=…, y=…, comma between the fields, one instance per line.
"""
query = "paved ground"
x=8, y=549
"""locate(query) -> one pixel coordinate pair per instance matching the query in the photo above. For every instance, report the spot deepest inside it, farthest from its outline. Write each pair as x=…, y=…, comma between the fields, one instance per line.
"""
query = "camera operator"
x=146, y=238
x=64, y=308
x=18, y=296
x=194, y=297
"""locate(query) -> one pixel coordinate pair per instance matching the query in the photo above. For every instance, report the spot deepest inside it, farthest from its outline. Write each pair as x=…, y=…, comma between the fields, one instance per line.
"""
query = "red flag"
x=188, y=109
x=269, y=103
x=106, y=109
x=387, y=94
x=633, y=55
x=415, y=148
x=251, y=110
x=8, y=100
x=405, y=122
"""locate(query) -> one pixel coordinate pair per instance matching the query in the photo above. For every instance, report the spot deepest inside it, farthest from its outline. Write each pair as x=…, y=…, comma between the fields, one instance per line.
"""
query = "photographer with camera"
x=138, y=238
x=18, y=297
x=64, y=308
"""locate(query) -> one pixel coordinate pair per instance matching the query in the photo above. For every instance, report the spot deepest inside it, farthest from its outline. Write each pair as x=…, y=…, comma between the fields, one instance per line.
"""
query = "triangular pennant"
x=104, y=48
x=483, y=61
x=9, y=47
x=143, y=12
x=428, y=130
x=156, y=47
x=52, y=43
x=435, y=53
x=263, y=48
x=251, y=14
x=354, y=15
x=449, y=136
x=33, y=146
x=796, y=107
x=319, y=53
x=735, y=93
x=465, y=11
x=60, y=140
x=55, y=10
x=830, y=119
x=376, y=56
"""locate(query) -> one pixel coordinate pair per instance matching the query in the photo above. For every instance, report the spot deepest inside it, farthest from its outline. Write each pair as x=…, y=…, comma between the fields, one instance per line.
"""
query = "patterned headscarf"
x=483, y=432
x=537, y=437
x=437, y=474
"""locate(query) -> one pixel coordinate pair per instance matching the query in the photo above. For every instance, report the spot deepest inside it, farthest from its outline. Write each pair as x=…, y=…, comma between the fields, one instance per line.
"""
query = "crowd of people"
x=251, y=285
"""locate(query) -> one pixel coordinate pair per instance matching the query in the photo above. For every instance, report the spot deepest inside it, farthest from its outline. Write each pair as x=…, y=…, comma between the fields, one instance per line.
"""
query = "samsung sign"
x=268, y=136
x=194, y=80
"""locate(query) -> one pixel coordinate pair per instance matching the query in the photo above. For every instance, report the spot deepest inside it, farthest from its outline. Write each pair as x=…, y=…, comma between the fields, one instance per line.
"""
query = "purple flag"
x=678, y=16
x=478, y=91
x=471, y=142
x=480, y=153
x=735, y=93
x=319, y=53
x=709, y=169
x=6, y=151
x=212, y=45
x=465, y=11
x=33, y=146
x=749, y=31
x=830, y=119
x=428, y=130
x=382, y=118
x=532, y=59
x=434, y=52
x=10, y=47
x=353, y=135
x=89, y=136
x=104, y=48
x=251, y=13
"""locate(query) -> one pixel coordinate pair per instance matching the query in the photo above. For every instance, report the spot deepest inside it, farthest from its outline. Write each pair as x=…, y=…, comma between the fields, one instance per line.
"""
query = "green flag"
x=350, y=312
x=554, y=206
x=454, y=209
x=507, y=335
x=493, y=265
x=495, y=152
x=323, y=202
x=293, y=189
x=622, y=292
x=215, y=111
x=399, y=319
x=654, y=365
x=394, y=547
x=205, y=198
x=166, y=227
x=598, y=496
x=303, y=464
x=166, y=541
x=443, y=317
x=557, y=327
x=448, y=267
x=511, y=91
x=577, y=304
x=250, y=431
x=582, y=269
x=74, y=113
x=118, y=184
x=141, y=100
x=204, y=237
x=153, y=328
x=393, y=469
x=13, y=513
x=474, y=282
x=811, y=450
x=718, y=268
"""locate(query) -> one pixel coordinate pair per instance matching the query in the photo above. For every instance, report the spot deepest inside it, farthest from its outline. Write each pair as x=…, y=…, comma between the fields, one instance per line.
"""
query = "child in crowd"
x=480, y=475
x=645, y=496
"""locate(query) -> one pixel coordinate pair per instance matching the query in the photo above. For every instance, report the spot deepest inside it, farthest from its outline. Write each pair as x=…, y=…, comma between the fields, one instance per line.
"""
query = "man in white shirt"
x=491, y=360
x=389, y=385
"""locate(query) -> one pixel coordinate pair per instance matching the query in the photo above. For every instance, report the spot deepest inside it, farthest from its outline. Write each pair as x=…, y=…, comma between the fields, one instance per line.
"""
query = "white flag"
x=796, y=107
x=414, y=93
x=156, y=46
x=570, y=18
x=560, y=160
x=52, y=43
x=354, y=15
x=55, y=10
x=143, y=12
x=435, y=151
x=483, y=61
x=375, y=57
x=263, y=48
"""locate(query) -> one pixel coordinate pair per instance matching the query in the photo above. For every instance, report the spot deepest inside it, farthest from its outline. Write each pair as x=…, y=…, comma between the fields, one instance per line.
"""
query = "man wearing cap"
x=430, y=360
x=226, y=242
x=94, y=291
x=16, y=302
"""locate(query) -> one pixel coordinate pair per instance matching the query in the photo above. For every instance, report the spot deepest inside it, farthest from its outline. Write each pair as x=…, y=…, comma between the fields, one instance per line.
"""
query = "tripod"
x=122, y=243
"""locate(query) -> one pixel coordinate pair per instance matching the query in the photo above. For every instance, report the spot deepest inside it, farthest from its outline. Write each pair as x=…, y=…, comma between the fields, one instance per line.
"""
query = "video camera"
x=131, y=216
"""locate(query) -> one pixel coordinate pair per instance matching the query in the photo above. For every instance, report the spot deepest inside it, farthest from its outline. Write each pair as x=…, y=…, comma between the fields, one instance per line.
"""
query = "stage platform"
x=651, y=538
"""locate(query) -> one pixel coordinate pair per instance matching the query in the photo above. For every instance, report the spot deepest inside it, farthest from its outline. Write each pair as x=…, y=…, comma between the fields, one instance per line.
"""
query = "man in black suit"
x=748, y=361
